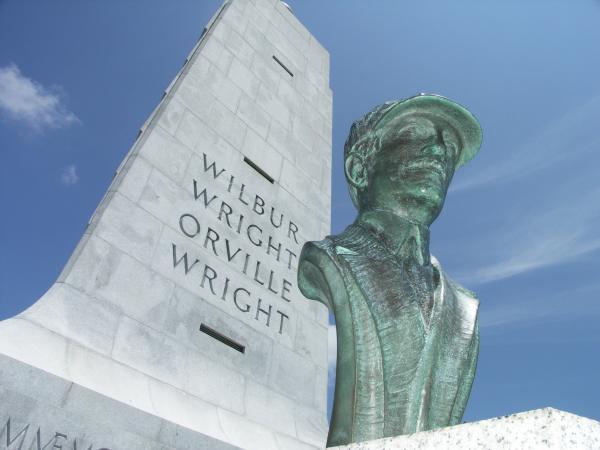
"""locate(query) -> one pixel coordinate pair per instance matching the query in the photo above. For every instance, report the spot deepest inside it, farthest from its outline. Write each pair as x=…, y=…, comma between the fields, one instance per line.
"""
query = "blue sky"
x=520, y=225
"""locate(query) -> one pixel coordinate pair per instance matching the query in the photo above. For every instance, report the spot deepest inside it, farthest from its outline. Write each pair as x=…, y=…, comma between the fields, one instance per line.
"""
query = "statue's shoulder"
x=318, y=249
x=329, y=251
x=319, y=270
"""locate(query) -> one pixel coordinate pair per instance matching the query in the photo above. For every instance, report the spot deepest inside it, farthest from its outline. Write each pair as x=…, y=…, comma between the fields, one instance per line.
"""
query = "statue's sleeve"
x=469, y=306
x=464, y=391
x=320, y=278
x=315, y=274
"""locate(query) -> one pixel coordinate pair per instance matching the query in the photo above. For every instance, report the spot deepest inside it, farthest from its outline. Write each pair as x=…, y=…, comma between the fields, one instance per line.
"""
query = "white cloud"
x=69, y=176
x=559, y=140
x=562, y=225
x=560, y=231
x=27, y=101
x=534, y=308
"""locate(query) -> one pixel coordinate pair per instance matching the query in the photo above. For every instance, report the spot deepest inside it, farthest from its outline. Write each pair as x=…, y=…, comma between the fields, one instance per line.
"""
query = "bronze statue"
x=407, y=334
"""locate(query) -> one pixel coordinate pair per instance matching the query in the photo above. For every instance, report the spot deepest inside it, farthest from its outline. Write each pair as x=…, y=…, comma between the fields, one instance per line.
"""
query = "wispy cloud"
x=558, y=141
x=27, y=101
x=536, y=308
x=562, y=224
x=69, y=176
x=563, y=229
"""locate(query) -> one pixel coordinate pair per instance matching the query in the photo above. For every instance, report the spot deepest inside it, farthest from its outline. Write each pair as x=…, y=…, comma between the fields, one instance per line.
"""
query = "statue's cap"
x=457, y=116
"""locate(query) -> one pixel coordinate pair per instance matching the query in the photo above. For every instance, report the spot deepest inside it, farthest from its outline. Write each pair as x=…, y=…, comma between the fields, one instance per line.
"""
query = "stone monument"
x=177, y=322
x=407, y=334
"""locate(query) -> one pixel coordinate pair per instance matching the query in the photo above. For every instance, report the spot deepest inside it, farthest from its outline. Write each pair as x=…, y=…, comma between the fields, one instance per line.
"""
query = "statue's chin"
x=431, y=188
x=425, y=203
x=419, y=200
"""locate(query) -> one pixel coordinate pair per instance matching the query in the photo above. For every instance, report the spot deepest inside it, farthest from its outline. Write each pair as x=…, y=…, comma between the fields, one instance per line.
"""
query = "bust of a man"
x=407, y=334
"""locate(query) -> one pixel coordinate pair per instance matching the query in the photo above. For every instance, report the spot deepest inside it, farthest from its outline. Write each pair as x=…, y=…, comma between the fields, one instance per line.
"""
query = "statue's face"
x=413, y=168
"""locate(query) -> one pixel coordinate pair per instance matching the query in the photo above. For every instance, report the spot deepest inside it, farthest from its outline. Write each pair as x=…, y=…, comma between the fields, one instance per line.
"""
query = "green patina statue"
x=407, y=334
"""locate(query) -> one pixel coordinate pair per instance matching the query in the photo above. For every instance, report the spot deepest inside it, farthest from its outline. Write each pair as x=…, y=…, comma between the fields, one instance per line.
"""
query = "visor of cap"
x=457, y=116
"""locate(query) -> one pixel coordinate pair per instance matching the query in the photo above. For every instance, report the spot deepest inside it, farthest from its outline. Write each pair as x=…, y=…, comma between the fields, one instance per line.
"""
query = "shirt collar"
x=410, y=241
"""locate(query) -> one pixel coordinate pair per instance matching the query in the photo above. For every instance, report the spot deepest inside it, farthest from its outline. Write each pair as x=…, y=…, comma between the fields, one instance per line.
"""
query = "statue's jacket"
x=398, y=372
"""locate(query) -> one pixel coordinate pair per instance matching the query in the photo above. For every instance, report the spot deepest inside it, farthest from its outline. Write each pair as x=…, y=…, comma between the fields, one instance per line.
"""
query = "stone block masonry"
x=177, y=322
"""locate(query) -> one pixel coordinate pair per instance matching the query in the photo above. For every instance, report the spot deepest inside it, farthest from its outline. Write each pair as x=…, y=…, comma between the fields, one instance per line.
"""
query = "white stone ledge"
x=546, y=428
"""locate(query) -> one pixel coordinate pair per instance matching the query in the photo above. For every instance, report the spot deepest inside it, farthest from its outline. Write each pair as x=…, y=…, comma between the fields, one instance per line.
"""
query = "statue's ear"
x=356, y=171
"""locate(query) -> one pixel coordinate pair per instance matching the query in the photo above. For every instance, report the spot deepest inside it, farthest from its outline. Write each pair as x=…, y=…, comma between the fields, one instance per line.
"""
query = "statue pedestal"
x=546, y=428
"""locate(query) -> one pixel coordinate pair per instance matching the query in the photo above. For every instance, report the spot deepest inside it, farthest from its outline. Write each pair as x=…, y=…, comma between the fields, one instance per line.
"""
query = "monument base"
x=546, y=428
x=40, y=410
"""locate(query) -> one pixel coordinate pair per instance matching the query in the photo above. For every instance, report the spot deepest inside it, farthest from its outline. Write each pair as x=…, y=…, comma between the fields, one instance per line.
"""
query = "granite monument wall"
x=177, y=321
